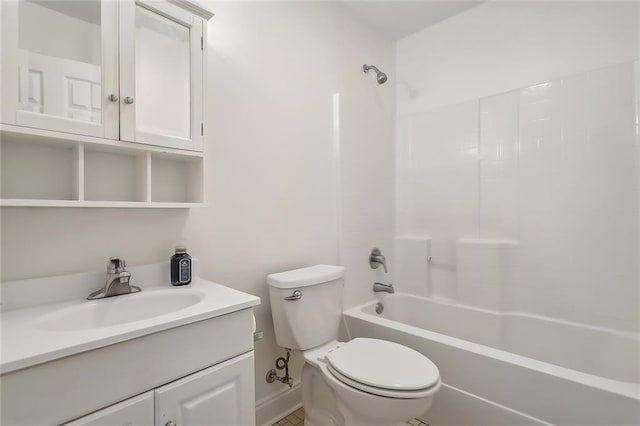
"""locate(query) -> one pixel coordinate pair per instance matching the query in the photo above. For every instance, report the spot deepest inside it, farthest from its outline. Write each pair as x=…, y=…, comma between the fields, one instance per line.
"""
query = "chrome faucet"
x=117, y=281
x=376, y=258
x=383, y=288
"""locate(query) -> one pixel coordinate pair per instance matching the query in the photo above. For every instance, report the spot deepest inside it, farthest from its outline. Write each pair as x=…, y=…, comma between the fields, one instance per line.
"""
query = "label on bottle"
x=184, y=275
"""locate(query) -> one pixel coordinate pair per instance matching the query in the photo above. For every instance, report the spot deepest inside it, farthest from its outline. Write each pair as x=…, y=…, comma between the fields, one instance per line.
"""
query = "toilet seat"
x=389, y=393
x=383, y=368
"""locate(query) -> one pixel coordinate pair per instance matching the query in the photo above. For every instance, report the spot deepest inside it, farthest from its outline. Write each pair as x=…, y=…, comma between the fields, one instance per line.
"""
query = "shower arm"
x=366, y=68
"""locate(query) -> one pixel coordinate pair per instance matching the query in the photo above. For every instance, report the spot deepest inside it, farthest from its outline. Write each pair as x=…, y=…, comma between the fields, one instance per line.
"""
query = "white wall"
x=272, y=157
x=277, y=173
x=517, y=121
x=366, y=175
x=38, y=242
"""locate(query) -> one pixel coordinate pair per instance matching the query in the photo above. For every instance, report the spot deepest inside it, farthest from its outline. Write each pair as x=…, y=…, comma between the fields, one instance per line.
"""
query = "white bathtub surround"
x=525, y=172
x=485, y=272
x=436, y=169
x=411, y=266
x=554, y=167
x=511, y=368
x=538, y=144
x=479, y=274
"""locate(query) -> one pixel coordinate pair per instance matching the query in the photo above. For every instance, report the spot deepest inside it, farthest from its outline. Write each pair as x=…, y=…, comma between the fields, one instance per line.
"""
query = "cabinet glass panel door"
x=61, y=65
x=161, y=75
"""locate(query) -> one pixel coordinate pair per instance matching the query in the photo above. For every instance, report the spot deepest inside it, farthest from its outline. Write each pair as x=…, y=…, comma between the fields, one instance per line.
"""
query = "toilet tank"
x=306, y=305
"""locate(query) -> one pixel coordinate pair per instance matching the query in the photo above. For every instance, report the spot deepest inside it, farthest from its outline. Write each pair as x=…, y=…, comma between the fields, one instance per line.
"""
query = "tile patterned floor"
x=297, y=419
x=293, y=419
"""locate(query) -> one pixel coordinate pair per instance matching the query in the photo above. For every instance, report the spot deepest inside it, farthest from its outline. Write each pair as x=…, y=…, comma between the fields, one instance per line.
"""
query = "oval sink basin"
x=119, y=310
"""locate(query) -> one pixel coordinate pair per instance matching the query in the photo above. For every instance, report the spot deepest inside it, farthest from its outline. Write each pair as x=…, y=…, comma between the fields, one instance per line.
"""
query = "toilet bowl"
x=361, y=382
x=364, y=386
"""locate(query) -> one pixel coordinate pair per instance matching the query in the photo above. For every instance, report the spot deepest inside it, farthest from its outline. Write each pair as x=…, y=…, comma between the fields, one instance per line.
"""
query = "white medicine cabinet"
x=93, y=80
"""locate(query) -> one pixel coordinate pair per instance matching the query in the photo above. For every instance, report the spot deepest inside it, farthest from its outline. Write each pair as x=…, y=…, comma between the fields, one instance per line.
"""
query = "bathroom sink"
x=44, y=332
x=118, y=310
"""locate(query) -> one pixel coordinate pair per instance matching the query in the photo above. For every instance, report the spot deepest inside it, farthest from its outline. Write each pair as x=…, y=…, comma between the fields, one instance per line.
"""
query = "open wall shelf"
x=48, y=169
x=176, y=179
x=38, y=171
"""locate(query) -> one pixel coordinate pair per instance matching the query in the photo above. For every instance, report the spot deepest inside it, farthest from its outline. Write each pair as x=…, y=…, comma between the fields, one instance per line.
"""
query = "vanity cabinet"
x=137, y=411
x=127, y=70
x=201, y=373
x=220, y=395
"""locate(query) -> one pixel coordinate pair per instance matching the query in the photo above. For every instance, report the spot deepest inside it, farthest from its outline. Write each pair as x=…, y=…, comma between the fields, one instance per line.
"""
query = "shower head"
x=381, y=77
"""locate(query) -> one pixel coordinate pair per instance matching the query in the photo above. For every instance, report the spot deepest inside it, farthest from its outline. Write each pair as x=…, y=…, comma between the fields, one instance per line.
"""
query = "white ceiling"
x=398, y=19
x=393, y=18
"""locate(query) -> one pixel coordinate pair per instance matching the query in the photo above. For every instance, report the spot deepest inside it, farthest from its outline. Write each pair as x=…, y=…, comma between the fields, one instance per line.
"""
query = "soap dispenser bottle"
x=180, y=267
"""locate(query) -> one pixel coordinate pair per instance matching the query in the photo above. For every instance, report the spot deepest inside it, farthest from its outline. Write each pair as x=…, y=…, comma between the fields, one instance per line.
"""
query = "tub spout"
x=383, y=288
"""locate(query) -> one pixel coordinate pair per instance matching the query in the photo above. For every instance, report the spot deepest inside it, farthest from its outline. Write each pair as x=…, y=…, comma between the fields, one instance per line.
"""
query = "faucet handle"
x=376, y=258
x=115, y=265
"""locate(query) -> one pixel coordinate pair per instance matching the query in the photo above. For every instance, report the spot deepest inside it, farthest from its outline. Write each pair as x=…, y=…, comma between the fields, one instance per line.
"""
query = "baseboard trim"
x=273, y=407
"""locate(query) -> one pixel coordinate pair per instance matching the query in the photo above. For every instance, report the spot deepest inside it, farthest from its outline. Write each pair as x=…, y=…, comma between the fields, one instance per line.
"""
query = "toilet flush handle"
x=297, y=295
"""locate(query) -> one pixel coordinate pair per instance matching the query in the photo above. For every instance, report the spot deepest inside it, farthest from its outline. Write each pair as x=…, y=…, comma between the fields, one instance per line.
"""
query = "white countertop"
x=27, y=341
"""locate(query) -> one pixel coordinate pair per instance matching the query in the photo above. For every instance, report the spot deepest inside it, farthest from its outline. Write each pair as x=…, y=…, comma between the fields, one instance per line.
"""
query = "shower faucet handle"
x=376, y=258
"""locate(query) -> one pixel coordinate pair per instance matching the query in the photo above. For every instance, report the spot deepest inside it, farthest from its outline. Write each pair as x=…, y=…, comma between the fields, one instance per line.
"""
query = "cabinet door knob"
x=113, y=97
x=129, y=100
x=170, y=423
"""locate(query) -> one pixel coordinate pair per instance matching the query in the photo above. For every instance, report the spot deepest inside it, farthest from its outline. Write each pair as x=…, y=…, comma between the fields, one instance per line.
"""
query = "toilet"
x=356, y=383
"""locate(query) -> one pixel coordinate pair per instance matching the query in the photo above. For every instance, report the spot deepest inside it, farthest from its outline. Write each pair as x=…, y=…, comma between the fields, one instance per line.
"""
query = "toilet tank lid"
x=304, y=277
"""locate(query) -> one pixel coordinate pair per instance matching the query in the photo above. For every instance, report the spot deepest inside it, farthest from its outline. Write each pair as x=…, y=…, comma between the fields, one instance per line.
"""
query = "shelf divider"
x=144, y=177
x=78, y=175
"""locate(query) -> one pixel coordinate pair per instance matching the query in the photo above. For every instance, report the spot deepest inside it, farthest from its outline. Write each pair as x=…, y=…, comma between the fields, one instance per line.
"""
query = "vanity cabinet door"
x=161, y=60
x=222, y=395
x=60, y=66
x=137, y=411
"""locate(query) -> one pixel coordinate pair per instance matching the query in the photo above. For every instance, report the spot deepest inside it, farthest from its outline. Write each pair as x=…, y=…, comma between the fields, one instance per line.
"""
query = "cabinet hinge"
x=201, y=129
x=201, y=43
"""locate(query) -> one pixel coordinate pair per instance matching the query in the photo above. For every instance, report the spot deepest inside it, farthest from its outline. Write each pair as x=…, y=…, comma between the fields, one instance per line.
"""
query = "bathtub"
x=511, y=368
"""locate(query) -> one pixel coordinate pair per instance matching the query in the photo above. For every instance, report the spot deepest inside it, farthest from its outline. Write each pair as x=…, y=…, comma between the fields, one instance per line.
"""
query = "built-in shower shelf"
x=42, y=168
